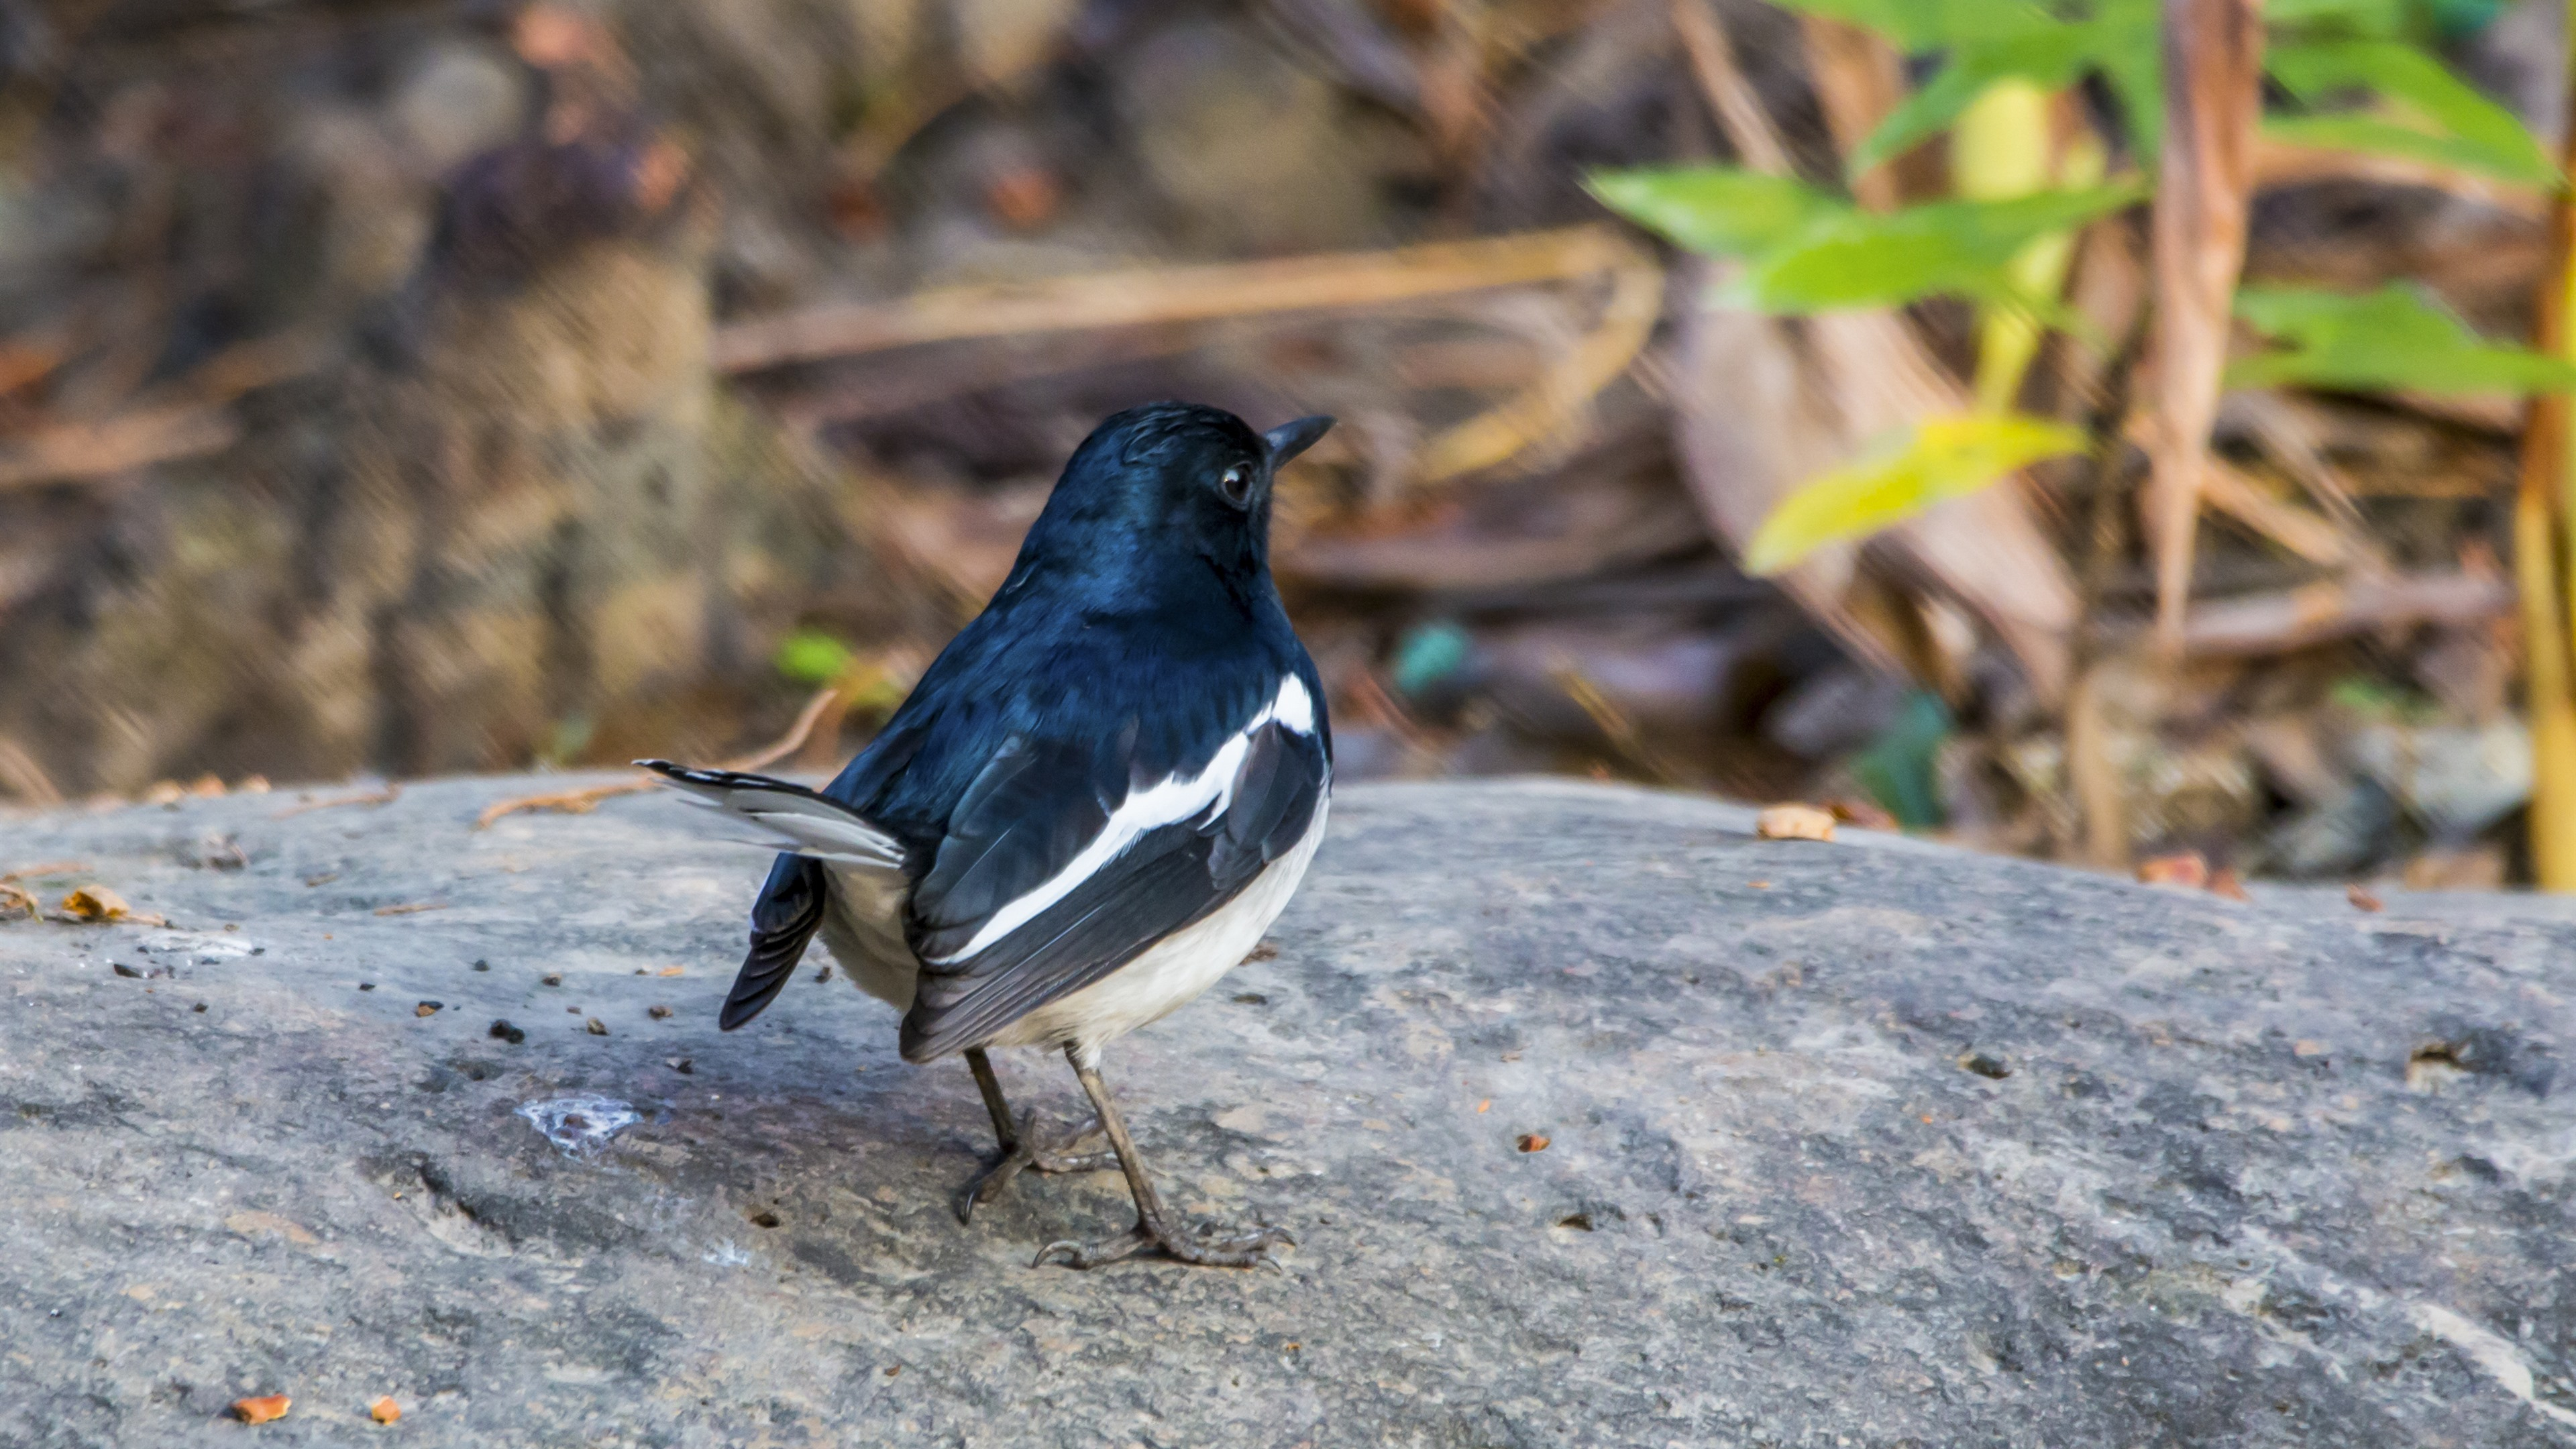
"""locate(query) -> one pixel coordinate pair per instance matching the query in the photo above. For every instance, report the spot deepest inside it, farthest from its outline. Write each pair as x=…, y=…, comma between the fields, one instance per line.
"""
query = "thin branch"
x=2213, y=54
x=1146, y=296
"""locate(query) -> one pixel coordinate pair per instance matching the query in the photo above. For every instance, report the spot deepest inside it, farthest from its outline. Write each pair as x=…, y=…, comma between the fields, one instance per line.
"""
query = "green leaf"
x=810, y=656
x=1851, y=258
x=1987, y=42
x=2362, y=17
x=2462, y=128
x=1916, y=25
x=2396, y=337
x=1720, y=211
x=1901, y=768
x=2052, y=59
x=1937, y=460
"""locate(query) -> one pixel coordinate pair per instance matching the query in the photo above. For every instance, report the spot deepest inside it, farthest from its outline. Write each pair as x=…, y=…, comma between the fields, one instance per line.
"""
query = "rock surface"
x=1863, y=1143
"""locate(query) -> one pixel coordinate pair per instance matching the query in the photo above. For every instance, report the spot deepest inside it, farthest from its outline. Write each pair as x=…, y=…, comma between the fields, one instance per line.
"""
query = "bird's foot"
x=1243, y=1250
x=1024, y=1155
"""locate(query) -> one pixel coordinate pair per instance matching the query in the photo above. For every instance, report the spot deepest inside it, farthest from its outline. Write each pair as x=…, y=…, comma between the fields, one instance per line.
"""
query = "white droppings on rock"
x=579, y=1126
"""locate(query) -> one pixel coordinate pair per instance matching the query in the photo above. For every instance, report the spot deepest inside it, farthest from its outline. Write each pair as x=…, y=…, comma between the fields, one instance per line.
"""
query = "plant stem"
x=2545, y=514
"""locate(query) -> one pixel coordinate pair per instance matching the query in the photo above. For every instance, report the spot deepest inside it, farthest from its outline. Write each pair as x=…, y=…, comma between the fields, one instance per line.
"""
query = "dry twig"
x=2261, y=624
x=2213, y=53
x=587, y=799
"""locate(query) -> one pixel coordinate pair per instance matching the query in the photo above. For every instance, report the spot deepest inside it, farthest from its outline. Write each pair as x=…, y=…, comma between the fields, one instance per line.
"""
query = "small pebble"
x=552, y=979
x=658, y=1013
x=685, y=1066
x=480, y=965
x=508, y=1033
x=200, y=1006
x=122, y=969
x=366, y=986
x=427, y=1008
x=596, y=1026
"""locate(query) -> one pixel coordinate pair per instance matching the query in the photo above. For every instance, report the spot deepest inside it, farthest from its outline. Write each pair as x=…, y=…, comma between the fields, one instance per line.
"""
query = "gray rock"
x=1865, y=1143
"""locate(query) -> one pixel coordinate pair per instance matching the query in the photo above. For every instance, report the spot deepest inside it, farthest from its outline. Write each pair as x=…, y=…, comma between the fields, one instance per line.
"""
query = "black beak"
x=1287, y=440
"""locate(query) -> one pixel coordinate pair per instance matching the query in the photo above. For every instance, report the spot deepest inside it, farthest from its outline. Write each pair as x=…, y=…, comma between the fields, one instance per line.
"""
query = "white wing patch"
x=1176, y=798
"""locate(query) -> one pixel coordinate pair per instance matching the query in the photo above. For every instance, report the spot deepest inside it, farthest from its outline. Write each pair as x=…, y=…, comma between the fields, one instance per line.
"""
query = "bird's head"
x=1167, y=481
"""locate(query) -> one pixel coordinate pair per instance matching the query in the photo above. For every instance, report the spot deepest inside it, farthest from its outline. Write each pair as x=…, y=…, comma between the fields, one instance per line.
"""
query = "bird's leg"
x=1019, y=1151
x=1154, y=1227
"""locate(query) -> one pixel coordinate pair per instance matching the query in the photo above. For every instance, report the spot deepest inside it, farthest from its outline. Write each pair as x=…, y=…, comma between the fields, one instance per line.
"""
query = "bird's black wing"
x=1063, y=861
x=783, y=921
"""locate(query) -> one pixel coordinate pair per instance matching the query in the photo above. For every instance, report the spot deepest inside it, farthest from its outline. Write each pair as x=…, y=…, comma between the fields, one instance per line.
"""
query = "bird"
x=1093, y=805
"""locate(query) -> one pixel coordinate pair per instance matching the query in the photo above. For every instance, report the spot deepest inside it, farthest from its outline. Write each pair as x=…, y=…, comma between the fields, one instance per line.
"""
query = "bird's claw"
x=1019, y=1156
x=1244, y=1250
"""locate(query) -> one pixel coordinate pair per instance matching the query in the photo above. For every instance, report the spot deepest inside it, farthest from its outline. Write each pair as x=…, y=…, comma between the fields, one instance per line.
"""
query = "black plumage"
x=1114, y=752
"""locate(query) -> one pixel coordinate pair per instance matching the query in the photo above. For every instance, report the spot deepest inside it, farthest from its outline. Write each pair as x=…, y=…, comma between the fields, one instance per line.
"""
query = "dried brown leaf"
x=1860, y=813
x=96, y=903
x=1794, y=822
x=384, y=1410
x=1530, y=1142
x=2213, y=97
x=263, y=1409
x=2362, y=898
x=2188, y=869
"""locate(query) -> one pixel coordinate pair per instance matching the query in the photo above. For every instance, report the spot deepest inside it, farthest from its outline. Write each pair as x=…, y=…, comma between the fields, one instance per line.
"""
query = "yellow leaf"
x=1937, y=460
x=1794, y=822
x=96, y=903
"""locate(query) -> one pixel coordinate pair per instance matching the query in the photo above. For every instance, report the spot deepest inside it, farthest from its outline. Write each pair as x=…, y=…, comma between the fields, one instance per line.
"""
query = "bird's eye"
x=1236, y=485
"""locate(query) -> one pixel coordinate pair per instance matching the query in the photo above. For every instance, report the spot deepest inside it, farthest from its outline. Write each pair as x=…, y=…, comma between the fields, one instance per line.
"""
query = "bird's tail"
x=797, y=820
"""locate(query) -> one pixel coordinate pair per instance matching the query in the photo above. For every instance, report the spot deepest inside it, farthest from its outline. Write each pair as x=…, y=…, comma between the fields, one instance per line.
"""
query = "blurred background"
x=391, y=387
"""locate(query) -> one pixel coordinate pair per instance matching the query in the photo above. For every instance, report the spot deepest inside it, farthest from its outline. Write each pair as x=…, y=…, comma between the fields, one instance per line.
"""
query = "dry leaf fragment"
x=1794, y=822
x=14, y=900
x=384, y=1410
x=2305, y=1048
x=670, y=971
x=1530, y=1142
x=1860, y=814
x=96, y=903
x=262, y=1409
x=428, y=1008
x=411, y=910
x=51, y=867
x=2361, y=897
x=1481, y=1106
x=2224, y=881
x=2188, y=869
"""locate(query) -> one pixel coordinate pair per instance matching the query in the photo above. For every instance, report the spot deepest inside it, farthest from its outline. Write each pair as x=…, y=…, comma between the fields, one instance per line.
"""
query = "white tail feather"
x=796, y=818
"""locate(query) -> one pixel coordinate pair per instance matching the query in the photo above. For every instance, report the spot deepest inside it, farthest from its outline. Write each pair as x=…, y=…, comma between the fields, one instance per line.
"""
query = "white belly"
x=863, y=925
x=864, y=928
x=1173, y=971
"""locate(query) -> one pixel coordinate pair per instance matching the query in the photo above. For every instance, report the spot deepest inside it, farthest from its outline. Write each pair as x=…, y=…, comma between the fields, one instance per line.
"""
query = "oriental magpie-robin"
x=1097, y=799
